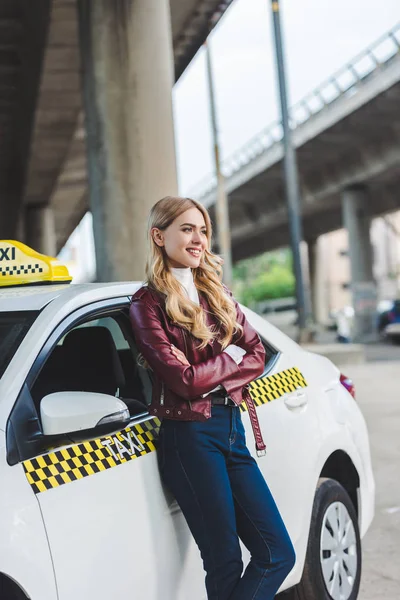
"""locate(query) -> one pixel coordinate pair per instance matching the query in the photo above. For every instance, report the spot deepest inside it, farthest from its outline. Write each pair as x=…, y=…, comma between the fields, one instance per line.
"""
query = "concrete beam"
x=325, y=196
x=40, y=230
x=325, y=120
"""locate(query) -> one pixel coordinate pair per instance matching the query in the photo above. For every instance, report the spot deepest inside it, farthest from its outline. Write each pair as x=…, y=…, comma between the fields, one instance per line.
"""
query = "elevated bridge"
x=347, y=135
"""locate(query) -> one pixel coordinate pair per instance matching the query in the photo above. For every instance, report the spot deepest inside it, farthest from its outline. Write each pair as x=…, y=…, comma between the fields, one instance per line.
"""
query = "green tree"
x=265, y=277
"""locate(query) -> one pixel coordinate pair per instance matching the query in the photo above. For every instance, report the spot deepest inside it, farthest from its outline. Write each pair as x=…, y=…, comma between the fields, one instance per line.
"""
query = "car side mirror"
x=71, y=412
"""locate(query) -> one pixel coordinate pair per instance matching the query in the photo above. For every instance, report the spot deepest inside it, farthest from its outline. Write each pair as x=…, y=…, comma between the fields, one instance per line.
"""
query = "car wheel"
x=9, y=590
x=332, y=569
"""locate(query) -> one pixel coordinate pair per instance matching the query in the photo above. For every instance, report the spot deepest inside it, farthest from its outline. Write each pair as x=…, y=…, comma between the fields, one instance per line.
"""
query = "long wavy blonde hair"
x=207, y=278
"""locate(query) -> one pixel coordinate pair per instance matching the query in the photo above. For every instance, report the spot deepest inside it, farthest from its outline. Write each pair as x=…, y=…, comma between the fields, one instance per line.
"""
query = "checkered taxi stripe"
x=21, y=270
x=272, y=387
x=75, y=462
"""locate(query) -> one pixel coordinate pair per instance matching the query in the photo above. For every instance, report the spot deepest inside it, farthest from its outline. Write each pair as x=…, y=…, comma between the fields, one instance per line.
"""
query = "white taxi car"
x=83, y=514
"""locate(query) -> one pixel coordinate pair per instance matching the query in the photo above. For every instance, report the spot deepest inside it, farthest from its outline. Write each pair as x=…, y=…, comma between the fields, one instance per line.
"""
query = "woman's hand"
x=180, y=356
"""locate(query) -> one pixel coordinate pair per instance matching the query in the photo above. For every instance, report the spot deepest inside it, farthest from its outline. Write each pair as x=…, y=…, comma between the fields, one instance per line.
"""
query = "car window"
x=271, y=354
x=111, y=324
x=98, y=355
x=13, y=328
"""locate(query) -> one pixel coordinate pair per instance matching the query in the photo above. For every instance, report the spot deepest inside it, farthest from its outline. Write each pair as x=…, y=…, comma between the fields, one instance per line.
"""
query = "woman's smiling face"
x=185, y=240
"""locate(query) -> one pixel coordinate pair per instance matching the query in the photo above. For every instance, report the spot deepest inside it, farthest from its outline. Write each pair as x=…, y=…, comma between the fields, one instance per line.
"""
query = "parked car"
x=389, y=322
x=83, y=513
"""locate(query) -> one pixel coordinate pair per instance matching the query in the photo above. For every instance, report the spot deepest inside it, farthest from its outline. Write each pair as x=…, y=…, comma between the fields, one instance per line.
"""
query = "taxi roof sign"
x=20, y=265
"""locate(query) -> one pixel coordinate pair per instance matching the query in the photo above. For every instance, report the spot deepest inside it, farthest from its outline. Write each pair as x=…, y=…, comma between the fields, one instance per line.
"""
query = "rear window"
x=13, y=328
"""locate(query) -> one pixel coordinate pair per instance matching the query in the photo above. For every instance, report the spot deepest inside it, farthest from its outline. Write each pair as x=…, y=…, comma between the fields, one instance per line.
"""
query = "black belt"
x=221, y=400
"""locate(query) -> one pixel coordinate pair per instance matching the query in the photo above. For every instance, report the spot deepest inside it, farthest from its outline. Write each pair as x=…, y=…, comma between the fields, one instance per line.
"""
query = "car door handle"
x=296, y=399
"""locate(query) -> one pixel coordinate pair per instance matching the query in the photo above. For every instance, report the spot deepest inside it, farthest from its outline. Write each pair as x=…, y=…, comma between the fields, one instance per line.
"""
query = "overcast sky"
x=320, y=37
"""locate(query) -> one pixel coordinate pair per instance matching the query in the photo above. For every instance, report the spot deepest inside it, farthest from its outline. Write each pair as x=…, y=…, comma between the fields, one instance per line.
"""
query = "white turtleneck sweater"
x=185, y=278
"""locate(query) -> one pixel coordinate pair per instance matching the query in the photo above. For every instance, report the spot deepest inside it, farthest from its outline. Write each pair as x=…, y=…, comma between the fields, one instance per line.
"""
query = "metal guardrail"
x=344, y=82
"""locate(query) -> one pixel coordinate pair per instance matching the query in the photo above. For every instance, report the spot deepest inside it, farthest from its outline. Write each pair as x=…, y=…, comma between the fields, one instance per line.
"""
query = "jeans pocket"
x=241, y=433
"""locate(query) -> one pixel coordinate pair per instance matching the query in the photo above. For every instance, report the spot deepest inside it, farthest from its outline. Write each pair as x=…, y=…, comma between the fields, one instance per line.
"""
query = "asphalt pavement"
x=378, y=394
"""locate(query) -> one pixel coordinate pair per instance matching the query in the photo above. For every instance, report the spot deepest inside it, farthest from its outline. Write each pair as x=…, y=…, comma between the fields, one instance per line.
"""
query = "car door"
x=289, y=421
x=111, y=528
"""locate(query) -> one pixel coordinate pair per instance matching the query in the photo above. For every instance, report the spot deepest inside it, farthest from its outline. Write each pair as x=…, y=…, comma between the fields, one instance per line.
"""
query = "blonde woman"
x=203, y=353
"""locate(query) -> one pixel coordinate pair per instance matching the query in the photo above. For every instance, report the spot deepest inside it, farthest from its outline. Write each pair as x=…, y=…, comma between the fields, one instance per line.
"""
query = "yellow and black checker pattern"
x=88, y=458
x=272, y=387
x=20, y=269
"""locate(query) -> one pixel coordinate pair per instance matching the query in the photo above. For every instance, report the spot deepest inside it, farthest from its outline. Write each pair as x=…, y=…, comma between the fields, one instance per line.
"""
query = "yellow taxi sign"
x=20, y=265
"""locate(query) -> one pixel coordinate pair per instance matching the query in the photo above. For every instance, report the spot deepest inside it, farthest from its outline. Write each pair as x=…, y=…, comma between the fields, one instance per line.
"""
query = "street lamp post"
x=291, y=182
x=221, y=208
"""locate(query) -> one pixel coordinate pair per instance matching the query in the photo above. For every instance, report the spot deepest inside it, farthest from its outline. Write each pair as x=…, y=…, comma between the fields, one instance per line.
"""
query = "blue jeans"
x=223, y=496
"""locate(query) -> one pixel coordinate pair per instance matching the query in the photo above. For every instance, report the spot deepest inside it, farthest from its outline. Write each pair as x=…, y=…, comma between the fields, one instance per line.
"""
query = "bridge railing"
x=344, y=82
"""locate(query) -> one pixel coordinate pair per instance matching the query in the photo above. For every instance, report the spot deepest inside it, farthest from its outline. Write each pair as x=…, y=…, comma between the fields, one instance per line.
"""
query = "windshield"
x=13, y=329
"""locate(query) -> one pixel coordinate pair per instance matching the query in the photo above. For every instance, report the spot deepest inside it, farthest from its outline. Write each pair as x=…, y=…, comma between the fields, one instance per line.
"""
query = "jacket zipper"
x=162, y=394
x=184, y=343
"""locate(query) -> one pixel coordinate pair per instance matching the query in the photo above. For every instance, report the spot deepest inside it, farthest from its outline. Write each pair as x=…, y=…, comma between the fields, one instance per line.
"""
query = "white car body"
x=117, y=531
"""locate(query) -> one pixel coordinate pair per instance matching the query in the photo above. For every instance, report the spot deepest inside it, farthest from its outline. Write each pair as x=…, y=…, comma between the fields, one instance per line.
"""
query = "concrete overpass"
x=128, y=54
x=347, y=135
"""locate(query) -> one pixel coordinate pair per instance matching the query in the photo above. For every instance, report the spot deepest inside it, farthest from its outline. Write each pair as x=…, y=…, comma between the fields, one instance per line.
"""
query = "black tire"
x=9, y=590
x=312, y=585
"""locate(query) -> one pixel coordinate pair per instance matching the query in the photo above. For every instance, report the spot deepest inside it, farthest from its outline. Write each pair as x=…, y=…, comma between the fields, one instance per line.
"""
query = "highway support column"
x=40, y=229
x=319, y=299
x=357, y=221
x=127, y=67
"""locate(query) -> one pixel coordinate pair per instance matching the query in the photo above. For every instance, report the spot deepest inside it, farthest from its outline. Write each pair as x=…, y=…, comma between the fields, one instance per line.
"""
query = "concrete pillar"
x=20, y=233
x=317, y=269
x=40, y=229
x=357, y=221
x=127, y=64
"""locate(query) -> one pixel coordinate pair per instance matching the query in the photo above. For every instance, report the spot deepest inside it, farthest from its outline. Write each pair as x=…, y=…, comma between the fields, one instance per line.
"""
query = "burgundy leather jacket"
x=178, y=388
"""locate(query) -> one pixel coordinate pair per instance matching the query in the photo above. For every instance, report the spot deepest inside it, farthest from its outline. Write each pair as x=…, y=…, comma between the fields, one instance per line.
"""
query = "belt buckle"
x=261, y=453
x=226, y=400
